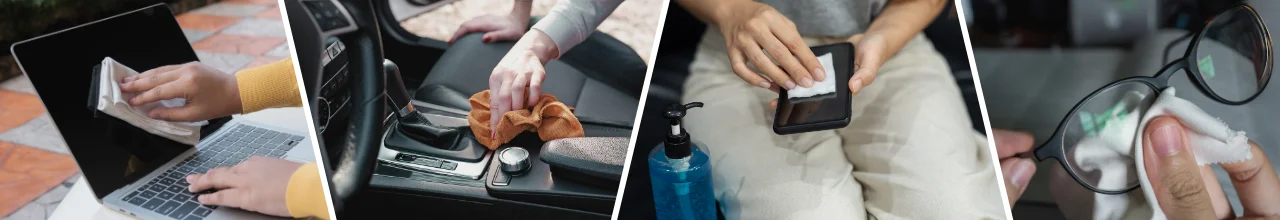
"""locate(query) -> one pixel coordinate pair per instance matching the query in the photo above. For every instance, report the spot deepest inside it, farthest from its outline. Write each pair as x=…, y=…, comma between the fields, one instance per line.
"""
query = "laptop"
x=128, y=169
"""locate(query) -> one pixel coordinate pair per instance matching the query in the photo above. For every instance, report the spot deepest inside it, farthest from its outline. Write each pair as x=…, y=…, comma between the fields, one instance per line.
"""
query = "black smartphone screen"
x=821, y=112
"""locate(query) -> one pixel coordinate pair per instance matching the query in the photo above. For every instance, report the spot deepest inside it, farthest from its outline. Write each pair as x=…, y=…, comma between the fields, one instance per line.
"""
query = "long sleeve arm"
x=269, y=86
x=572, y=21
x=305, y=195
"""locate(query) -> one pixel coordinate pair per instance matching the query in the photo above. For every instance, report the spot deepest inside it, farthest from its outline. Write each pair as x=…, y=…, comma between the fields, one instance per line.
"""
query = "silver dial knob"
x=514, y=160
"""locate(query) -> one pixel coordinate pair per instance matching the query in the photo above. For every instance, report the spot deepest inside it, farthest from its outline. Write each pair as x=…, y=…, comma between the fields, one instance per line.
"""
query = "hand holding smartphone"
x=820, y=112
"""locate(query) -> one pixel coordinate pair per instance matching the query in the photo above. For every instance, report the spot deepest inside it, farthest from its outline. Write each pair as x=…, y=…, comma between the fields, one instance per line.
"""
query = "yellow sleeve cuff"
x=305, y=197
x=268, y=86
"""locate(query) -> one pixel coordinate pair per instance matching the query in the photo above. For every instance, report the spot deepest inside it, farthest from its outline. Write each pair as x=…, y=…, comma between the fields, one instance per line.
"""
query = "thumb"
x=1173, y=172
x=1017, y=173
x=855, y=39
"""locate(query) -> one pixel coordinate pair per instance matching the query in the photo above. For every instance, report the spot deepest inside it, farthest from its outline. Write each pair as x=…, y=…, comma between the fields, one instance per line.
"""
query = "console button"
x=501, y=179
x=447, y=165
x=429, y=162
x=405, y=158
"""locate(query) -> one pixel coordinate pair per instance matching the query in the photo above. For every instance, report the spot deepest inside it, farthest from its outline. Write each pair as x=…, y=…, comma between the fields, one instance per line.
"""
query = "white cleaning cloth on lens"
x=1211, y=140
x=826, y=86
x=113, y=102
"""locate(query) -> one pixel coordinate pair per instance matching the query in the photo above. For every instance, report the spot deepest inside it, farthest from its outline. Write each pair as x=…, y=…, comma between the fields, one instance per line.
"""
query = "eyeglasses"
x=1229, y=59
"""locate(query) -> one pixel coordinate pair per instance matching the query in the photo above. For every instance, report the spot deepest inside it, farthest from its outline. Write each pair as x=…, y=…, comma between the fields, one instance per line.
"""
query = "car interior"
x=390, y=108
x=680, y=36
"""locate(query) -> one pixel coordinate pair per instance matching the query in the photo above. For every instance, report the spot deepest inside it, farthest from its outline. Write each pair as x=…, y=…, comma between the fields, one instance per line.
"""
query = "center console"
x=334, y=95
x=439, y=157
x=428, y=155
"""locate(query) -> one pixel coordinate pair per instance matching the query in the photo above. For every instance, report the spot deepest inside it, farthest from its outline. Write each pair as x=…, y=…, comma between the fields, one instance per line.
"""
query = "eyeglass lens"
x=1231, y=55
x=1099, y=136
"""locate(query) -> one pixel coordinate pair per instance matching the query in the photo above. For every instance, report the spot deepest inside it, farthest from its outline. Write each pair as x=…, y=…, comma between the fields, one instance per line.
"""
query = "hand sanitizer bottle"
x=680, y=171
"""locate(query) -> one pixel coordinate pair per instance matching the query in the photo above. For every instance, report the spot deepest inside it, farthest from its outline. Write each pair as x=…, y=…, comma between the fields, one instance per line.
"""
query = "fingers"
x=856, y=83
x=855, y=39
x=866, y=62
x=1173, y=172
x=469, y=27
x=1218, y=197
x=1256, y=183
x=216, y=178
x=179, y=114
x=519, y=86
x=152, y=72
x=233, y=197
x=798, y=48
x=502, y=103
x=783, y=56
x=739, y=65
x=753, y=53
x=773, y=104
x=163, y=92
x=147, y=83
x=1010, y=143
x=535, y=87
x=495, y=84
x=1017, y=173
x=500, y=35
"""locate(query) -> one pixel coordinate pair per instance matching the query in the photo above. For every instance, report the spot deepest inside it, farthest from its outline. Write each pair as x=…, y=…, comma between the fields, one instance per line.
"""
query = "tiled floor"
x=29, y=174
x=230, y=36
x=236, y=34
x=632, y=23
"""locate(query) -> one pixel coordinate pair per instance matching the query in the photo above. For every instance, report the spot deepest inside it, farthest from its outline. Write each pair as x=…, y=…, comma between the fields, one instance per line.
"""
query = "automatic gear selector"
x=414, y=141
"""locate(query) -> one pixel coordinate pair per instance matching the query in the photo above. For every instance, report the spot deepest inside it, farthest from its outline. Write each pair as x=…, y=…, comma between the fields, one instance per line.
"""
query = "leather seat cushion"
x=464, y=70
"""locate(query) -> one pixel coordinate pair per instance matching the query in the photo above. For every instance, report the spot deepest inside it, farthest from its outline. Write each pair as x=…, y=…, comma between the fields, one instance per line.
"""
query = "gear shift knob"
x=397, y=93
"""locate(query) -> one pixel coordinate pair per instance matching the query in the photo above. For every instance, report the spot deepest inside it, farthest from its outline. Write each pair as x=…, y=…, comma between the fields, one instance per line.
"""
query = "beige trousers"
x=909, y=152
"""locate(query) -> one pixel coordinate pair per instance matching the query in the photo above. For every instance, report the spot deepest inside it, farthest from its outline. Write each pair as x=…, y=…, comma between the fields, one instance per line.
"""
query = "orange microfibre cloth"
x=550, y=118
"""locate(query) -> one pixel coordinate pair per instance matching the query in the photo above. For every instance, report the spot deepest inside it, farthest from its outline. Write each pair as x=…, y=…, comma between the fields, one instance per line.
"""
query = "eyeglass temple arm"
x=1042, y=152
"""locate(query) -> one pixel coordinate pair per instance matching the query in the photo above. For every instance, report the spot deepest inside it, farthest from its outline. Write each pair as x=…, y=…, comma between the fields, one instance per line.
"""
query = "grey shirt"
x=828, y=18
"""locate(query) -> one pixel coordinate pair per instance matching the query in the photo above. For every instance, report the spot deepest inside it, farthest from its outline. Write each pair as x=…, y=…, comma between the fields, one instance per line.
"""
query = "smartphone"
x=821, y=112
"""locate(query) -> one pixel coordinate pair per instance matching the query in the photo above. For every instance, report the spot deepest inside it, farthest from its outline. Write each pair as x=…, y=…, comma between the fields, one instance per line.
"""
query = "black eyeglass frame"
x=1158, y=83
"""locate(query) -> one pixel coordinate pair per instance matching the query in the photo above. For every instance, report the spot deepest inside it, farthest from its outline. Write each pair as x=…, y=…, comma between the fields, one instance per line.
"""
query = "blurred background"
x=36, y=170
x=1037, y=59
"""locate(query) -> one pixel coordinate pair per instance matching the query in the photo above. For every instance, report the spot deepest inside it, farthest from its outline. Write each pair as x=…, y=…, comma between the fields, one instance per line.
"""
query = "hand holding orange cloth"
x=550, y=118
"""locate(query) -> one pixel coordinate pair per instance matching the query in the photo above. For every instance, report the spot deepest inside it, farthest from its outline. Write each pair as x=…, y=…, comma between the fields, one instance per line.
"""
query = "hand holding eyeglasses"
x=1180, y=189
x=1229, y=60
x=1017, y=170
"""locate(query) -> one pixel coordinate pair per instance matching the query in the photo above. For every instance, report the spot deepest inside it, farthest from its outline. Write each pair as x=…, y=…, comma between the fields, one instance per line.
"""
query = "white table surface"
x=81, y=204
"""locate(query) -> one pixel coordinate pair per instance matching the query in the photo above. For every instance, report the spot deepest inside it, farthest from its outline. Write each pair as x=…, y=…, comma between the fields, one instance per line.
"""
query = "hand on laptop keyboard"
x=258, y=184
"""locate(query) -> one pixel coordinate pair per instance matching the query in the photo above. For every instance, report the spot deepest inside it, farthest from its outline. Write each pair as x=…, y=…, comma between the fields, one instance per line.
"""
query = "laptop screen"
x=110, y=152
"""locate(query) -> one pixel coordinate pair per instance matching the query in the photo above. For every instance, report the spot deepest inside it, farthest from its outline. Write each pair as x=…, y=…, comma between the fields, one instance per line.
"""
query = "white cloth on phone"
x=907, y=129
x=1211, y=140
x=826, y=86
x=114, y=102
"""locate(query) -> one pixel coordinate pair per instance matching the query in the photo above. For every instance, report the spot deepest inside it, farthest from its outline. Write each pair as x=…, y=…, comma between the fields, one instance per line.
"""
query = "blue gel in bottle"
x=680, y=172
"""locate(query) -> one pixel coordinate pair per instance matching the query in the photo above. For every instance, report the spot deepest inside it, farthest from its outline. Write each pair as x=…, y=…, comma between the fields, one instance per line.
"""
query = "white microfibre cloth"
x=113, y=102
x=826, y=86
x=1211, y=140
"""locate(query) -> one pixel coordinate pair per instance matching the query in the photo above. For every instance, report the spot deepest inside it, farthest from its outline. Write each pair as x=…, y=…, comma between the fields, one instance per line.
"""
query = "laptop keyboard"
x=168, y=194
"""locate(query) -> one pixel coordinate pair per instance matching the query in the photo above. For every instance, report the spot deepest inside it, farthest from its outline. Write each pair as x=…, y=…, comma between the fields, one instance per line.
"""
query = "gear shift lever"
x=396, y=92
x=430, y=139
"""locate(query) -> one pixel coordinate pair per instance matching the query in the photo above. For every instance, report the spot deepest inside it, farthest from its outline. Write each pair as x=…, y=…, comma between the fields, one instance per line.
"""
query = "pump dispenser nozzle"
x=677, y=141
